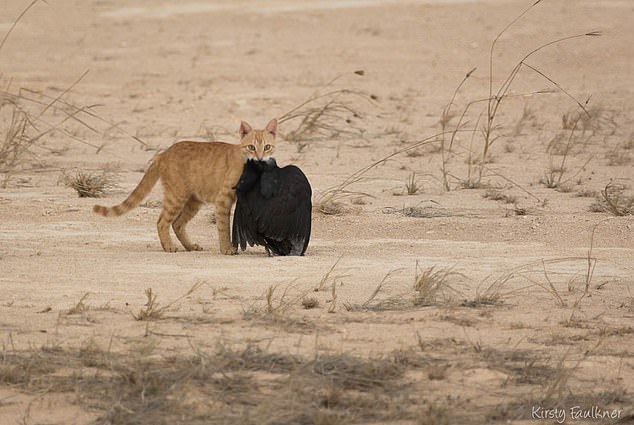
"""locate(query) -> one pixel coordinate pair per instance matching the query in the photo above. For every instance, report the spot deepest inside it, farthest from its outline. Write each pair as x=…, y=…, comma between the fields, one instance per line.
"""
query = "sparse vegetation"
x=528, y=118
x=276, y=311
x=152, y=311
x=410, y=185
x=135, y=389
x=421, y=211
x=329, y=276
x=89, y=184
x=614, y=201
x=327, y=114
x=331, y=199
x=251, y=384
x=432, y=286
x=15, y=141
x=595, y=119
x=496, y=97
x=80, y=307
x=498, y=195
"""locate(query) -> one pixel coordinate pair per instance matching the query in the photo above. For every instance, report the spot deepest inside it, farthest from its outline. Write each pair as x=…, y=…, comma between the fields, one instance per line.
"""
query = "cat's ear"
x=245, y=128
x=271, y=127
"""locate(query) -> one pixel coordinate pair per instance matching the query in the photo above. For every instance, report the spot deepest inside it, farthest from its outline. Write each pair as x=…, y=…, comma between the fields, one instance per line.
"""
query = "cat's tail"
x=144, y=187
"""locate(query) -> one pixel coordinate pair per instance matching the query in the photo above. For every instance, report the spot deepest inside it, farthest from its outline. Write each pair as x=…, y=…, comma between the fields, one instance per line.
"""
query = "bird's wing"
x=287, y=214
x=244, y=229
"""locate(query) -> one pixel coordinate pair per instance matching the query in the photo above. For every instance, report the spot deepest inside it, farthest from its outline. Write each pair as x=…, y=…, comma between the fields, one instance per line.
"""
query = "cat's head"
x=258, y=144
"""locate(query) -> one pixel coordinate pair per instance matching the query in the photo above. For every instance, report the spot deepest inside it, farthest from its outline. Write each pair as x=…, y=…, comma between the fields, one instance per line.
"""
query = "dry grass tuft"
x=330, y=206
x=80, y=307
x=595, y=119
x=374, y=303
x=27, y=117
x=498, y=195
x=327, y=115
x=279, y=305
x=485, y=128
x=431, y=286
x=562, y=146
x=614, y=201
x=276, y=309
x=587, y=193
x=527, y=119
x=424, y=211
x=411, y=186
x=331, y=200
x=89, y=184
x=15, y=137
x=152, y=311
x=245, y=386
x=329, y=276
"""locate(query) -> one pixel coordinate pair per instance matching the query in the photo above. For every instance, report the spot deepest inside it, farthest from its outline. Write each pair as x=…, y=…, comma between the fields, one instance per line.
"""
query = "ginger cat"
x=193, y=173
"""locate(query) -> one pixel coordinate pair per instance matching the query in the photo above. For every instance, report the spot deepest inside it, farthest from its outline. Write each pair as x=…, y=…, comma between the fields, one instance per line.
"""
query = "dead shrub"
x=431, y=285
x=498, y=195
x=613, y=200
x=89, y=184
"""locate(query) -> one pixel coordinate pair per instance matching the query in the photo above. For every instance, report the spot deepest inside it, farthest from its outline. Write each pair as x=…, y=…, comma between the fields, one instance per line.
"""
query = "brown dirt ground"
x=165, y=71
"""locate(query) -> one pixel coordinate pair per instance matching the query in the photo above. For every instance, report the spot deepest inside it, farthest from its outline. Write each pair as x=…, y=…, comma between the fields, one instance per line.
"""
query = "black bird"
x=273, y=208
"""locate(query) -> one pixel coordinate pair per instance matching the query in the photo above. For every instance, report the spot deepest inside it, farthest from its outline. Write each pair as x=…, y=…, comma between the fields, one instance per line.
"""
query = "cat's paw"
x=195, y=247
x=227, y=251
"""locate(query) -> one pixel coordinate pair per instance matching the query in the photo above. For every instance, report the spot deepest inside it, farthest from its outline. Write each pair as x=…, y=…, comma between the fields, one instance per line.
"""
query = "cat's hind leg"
x=191, y=208
x=172, y=207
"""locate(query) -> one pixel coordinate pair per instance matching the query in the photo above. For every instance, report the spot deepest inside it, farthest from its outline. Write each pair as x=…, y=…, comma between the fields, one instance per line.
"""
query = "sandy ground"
x=518, y=271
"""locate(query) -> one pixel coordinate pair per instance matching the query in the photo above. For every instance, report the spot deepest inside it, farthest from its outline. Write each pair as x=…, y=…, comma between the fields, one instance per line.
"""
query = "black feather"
x=273, y=208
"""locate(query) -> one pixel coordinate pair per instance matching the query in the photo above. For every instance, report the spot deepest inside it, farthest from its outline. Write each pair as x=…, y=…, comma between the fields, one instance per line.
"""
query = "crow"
x=273, y=208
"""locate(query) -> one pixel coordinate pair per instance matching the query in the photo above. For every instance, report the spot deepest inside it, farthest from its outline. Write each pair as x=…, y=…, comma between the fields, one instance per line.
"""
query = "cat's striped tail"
x=144, y=187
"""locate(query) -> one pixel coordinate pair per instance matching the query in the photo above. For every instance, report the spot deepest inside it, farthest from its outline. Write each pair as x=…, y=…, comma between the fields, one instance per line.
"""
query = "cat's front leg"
x=223, y=204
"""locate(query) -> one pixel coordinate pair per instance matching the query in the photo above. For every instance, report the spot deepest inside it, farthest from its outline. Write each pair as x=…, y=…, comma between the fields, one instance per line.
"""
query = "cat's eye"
x=251, y=147
x=267, y=147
